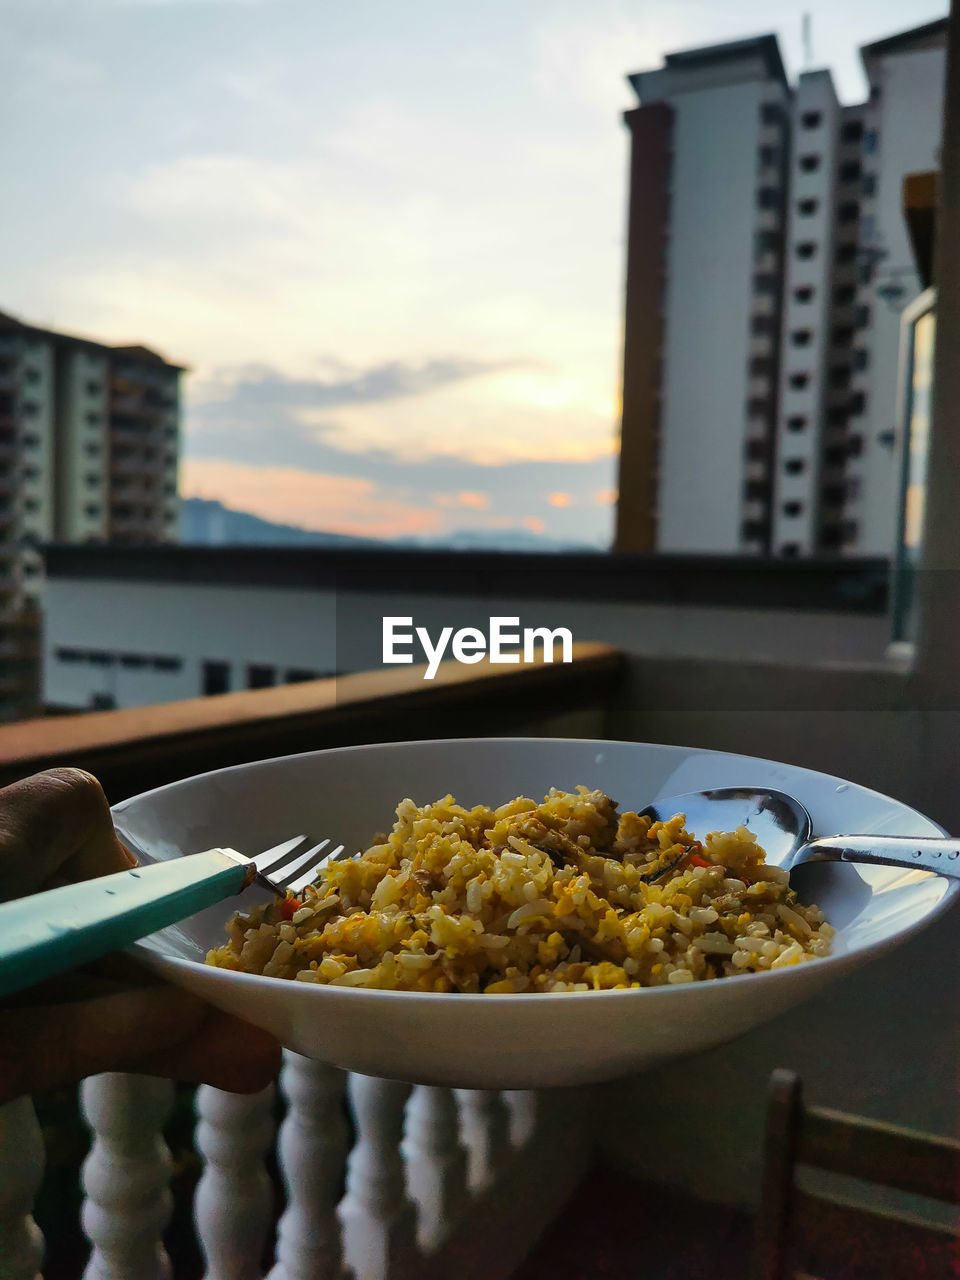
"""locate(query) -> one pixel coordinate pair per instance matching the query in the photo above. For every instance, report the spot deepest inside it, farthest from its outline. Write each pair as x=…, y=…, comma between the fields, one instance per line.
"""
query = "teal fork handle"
x=49, y=932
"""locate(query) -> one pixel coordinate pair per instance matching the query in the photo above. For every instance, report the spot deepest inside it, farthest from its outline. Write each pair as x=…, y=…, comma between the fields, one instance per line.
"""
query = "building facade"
x=89, y=451
x=767, y=265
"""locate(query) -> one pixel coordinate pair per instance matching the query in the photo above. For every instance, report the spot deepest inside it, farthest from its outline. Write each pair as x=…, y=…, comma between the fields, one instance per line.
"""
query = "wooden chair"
x=806, y=1235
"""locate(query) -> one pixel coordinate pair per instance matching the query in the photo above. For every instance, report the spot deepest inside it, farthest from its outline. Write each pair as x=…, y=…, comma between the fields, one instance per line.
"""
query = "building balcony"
x=482, y=1152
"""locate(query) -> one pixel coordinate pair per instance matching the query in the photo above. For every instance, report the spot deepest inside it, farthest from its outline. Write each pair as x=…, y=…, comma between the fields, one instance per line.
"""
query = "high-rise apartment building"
x=768, y=261
x=89, y=444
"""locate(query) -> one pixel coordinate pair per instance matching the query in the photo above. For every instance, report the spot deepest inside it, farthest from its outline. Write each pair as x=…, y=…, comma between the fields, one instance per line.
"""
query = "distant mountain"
x=208, y=523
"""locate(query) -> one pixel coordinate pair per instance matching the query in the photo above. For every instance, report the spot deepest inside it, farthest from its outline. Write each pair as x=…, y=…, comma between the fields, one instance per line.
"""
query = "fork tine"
x=276, y=856
x=285, y=878
x=307, y=877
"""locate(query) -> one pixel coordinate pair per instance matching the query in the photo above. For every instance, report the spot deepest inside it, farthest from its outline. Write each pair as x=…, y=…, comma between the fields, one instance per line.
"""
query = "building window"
x=760, y=326
x=759, y=407
x=842, y=335
x=31, y=376
x=31, y=504
x=803, y=293
x=855, y=446
x=806, y=208
x=833, y=495
x=133, y=660
x=810, y=163
x=846, y=252
x=29, y=541
x=837, y=416
x=844, y=294
x=793, y=508
x=92, y=481
x=840, y=375
x=92, y=450
x=768, y=198
x=796, y=422
x=100, y=658
x=31, y=473
x=811, y=119
x=260, y=676
x=91, y=511
x=756, y=491
x=806, y=249
x=850, y=171
x=801, y=337
x=770, y=113
x=29, y=408
x=94, y=388
x=836, y=455
x=861, y=358
x=858, y=402
x=167, y=664
x=799, y=380
x=869, y=184
x=790, y=550
x=765, y=282
x=761, y=366
x=849, y=211
x=870, y=142
x=754, y=530
x=862, y=316
x=297, y=675
x=851, y=131
x=94, y=419
x=769, y=155
x=767, y=242
x=216, y=677
x=757, y=450
x=68, y=655
x=794, y=466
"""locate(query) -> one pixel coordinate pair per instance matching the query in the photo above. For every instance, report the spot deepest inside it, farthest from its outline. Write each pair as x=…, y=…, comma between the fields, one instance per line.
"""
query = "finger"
x=56, y=823
x=49, y=1046
x=225, y=1052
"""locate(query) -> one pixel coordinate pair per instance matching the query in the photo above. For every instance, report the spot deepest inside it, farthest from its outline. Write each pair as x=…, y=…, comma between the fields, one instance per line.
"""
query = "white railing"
x=437, y=1181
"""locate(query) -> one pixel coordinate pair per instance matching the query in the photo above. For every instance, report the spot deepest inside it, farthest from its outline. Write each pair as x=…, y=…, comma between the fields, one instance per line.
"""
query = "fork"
x=46, y=933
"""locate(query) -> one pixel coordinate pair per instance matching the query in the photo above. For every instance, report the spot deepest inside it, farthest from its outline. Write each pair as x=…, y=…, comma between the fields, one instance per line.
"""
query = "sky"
x=386, y=237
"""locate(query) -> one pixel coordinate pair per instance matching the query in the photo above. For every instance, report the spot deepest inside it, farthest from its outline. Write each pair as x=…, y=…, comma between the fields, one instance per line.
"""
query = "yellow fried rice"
x=561, y=896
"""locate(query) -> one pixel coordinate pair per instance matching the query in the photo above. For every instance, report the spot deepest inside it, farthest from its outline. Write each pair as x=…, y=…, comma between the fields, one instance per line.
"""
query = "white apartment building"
x=771, y=221
x=89, y=445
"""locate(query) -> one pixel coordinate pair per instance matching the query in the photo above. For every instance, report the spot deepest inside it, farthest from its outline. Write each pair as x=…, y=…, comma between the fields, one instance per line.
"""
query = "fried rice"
x=562, y=896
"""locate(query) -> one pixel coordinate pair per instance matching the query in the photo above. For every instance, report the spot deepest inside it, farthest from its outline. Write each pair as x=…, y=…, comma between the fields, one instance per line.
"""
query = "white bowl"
x=509, y=1041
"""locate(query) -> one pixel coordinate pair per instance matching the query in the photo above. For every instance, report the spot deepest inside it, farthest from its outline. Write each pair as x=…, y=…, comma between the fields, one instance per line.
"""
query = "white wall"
x=316, y=630
x=196, y=623
x=709, y=297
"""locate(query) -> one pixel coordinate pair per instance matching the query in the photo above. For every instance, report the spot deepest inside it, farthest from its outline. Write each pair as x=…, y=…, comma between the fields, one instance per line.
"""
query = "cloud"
x=266, y=387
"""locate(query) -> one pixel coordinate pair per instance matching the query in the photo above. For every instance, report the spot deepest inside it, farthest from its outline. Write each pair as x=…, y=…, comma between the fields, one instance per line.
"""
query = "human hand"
x=55, y=827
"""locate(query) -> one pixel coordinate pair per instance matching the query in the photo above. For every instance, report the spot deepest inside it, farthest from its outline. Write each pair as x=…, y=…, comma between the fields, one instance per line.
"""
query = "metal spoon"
x=784, y=829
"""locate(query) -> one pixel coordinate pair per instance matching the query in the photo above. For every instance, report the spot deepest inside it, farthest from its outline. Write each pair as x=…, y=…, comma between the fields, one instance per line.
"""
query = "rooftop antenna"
x=806, y=30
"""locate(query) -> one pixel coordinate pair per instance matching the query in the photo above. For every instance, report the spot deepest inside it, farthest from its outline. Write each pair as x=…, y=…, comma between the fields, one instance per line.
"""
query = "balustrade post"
x=485, y=1132
x=436, y=1163
x=126, y=1177
x=379, y=1222
x=522, y=1105
x=313, y=1148
x=234, y=1197
x=21, y=1172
